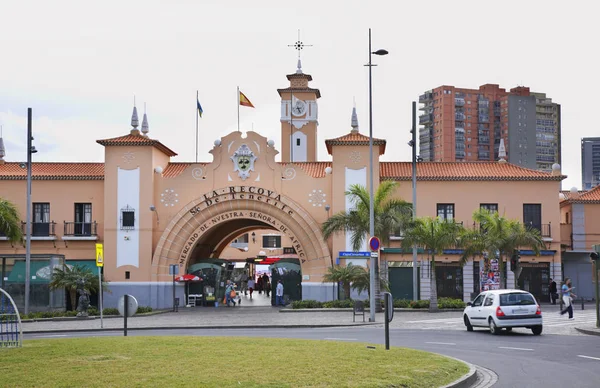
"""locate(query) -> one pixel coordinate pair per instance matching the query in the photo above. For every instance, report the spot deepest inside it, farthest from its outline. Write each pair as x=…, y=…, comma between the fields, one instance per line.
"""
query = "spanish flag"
x=244, y=101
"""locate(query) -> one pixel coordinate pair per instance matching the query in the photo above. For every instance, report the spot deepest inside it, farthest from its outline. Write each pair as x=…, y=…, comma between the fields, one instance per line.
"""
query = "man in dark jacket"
x=553, y=291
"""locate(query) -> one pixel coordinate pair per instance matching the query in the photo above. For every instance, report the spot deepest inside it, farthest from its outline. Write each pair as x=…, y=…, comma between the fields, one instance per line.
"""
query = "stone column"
x=467, y=280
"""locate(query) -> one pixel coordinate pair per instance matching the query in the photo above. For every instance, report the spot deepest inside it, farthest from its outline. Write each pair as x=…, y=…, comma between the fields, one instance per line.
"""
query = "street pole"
x=414, y=193
x=28, y=215
x=371, y=209
x=100, y=292
x=597, y=294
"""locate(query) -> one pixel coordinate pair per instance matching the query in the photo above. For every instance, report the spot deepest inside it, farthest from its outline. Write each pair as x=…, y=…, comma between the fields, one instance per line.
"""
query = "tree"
x=363, y=282
x=390, y=215
x=433, y=235
x=67, y=276
x=345, y=275
x=502, y=236
x=10, y=221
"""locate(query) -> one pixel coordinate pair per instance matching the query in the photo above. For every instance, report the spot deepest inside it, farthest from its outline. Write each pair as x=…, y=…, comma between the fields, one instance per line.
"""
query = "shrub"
x=450, y=303
x=93, y=311
x=419, y=304
x=345, y=303
x=110, y=311
x=401, y=303
x=306, y=304
x=143, y=309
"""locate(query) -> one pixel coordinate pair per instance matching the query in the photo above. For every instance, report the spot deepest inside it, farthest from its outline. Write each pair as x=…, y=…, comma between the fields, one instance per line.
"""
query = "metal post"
x=387, y=321
x=28, y=215
x=100, y=293
x=173, y=289
x=597, y=294
x=414, y=194
x=371, y=209
x=126, y=312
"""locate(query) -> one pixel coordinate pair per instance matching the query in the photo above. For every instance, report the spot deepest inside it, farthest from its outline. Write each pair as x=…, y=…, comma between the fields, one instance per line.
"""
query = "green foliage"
x=306, y=304
x=419, y=304
x=401, y=303
x=144, y=309
x=10, y=221
x=450, y=303
x=68, y=278
x=110, y=311
x=345, y=275
x=337, y=304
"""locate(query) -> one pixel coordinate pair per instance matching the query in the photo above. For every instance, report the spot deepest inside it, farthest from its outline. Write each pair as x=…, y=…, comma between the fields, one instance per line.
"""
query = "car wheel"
x=468, y=323
x=537, y=330
x=493, y=328
x=509, y=329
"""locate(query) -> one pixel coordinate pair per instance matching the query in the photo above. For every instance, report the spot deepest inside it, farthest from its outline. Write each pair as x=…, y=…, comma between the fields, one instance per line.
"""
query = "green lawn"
x=219, y=362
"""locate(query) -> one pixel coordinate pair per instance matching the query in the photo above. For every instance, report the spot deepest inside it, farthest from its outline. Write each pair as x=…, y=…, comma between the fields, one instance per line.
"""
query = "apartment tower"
x=590, y=162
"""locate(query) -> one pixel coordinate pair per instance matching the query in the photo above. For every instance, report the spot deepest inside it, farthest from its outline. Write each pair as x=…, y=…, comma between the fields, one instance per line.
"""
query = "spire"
x=134, y=120
x=299, y=69
x=354, y=121
x=145, y=128
x=502, y=152
x=2, y=150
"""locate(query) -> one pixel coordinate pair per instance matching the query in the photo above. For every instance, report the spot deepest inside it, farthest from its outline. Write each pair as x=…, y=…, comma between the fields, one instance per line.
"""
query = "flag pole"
x=238, y=106
x=197, y=113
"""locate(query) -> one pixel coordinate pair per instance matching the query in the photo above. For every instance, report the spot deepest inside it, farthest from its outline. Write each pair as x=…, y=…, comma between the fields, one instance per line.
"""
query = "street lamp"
x=413, y=144
x=30, y=151
x=371, y=205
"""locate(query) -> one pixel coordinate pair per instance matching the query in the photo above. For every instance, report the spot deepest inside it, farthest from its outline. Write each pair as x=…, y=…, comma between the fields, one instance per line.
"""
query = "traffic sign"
x=374, y=243
x=99, y=255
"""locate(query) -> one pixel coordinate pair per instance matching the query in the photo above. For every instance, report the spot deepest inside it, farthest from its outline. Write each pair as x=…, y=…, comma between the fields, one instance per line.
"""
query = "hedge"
x=92, y=311
x=443, y=303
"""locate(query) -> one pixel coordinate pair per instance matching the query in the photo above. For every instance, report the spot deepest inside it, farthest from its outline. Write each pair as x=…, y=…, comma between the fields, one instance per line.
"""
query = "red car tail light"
x=538, y=311
x=499, y=312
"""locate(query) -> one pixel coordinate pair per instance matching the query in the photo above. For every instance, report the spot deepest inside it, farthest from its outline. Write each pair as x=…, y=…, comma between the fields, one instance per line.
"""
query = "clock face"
x=299, y=108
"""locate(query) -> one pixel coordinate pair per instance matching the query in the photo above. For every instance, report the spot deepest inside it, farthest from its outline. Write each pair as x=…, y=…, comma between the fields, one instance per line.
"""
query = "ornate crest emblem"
x=243, y=161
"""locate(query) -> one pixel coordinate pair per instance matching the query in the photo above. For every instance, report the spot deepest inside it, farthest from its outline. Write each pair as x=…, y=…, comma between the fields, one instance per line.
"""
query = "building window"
x=127, y=218
x=491, y=207
x=242, y=239
x=271, y=241
x=445, y=211
x=532, y=215
x=298, y=142
x=41, y=219
x=83, y=219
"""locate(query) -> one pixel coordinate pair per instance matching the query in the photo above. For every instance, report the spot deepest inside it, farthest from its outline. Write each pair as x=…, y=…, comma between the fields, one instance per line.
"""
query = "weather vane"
x=299, y=45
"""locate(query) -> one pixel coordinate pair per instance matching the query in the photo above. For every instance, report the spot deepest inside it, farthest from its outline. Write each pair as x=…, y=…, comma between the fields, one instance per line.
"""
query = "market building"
x=151, y=213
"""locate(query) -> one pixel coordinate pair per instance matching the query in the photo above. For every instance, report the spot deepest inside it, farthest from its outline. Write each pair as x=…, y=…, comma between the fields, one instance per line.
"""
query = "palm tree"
x=67, y=277
x=345, y=275
x=363, y=282
x=503, y=236
x=433, y=235
x=10, y=221
x=390, y=215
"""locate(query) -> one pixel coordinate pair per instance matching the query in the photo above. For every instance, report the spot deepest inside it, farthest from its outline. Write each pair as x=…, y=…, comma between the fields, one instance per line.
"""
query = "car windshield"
x=516, y=299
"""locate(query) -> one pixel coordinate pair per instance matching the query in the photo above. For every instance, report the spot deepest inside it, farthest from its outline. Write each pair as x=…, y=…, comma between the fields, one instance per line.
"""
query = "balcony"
x=80, y=230
x=484, y=140
x=426, y=118
x=41, y=230
x=459, y=116
x=544, y=229
x=425, y=97
x=497, y=112
x=459, y=102
x=484, y=155
x=484, y=118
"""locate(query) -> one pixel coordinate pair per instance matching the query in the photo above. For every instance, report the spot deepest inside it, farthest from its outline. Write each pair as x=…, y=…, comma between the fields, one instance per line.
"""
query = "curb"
x=199, y=327
x=588, y=332
x=350, y=310
x=90, y=317
x=467, y=380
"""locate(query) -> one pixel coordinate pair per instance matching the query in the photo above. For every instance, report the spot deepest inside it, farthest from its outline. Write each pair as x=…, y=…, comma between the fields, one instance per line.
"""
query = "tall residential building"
x=461, y=124
x=590, y=162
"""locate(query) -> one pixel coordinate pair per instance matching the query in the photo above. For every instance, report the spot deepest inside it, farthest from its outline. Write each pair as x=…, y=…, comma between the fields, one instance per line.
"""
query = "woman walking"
x=567, y=297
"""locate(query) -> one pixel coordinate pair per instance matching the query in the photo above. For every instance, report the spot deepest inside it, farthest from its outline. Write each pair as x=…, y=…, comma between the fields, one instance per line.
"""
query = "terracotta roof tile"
x=463, y=171
x=53, y=171
x=590, y=196
x=175, y=169
x=355, y=139
x=136, y=140
x=299, y=90
x=312, y=169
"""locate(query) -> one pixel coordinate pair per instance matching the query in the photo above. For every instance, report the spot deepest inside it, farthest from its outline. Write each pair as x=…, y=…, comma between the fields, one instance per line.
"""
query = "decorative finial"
x=502, y=152
x=134, y=120
x=145, y=128
x=354, y=121
x=2, y=149
x=299, y=45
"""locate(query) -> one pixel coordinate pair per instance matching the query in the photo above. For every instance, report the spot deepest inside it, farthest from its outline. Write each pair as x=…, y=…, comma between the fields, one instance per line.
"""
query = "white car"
x=504, y=309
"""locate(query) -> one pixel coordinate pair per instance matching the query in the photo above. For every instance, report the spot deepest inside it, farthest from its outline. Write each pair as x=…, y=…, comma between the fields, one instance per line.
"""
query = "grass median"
x=219, y=362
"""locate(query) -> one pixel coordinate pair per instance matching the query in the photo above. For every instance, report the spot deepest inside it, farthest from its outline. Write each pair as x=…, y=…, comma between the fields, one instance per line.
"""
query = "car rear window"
x=516, y=299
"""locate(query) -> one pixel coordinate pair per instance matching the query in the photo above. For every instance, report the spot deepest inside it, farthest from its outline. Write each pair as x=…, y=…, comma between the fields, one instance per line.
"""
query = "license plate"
x=520, y=311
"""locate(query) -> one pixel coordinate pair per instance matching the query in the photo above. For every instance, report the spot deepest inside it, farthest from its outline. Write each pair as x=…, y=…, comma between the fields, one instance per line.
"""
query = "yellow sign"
x=99, y=255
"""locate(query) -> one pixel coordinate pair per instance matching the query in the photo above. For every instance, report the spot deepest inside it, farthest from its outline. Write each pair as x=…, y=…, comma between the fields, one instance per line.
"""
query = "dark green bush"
x=450, y=303
x=92, y=311
x=143, y=309
x=346, y=303
x=306, y=304
x=401, y=303
x=110, y=311
x=419, y=304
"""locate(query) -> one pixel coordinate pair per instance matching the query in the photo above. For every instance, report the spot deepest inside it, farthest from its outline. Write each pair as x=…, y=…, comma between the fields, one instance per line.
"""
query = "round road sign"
x=132, y=305
x=374, y=243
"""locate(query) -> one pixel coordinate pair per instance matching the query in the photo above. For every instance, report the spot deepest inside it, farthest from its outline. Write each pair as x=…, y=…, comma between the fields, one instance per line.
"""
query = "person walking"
x=244, y=280
x=266, y=284
x=567, y=297
x=228, y=291
x=279, y=294
x=553, y=291
x=251, y=287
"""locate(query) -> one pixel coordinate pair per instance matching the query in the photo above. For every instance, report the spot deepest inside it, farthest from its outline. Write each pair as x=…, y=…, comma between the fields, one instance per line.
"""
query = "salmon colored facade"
x=151, y=213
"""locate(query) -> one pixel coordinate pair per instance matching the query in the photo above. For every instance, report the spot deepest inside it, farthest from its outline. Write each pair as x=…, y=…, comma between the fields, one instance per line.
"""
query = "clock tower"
x=299, y=118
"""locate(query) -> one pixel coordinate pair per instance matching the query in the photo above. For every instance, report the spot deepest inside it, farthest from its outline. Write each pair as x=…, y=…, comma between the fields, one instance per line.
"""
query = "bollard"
x=125, y=315
x=582, y=307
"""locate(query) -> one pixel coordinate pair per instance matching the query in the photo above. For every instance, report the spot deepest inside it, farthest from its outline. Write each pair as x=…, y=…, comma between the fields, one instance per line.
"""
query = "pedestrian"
x=553, y=291
x=266, y=284
x=259, y=284
x=279, y=294
x=251, y=286
x=228, y=292
x=245, y=283
x=567, y=297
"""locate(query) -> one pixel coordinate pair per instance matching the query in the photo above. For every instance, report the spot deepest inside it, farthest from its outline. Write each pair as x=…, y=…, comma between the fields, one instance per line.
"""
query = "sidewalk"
x=207, y=318
x=588, y=329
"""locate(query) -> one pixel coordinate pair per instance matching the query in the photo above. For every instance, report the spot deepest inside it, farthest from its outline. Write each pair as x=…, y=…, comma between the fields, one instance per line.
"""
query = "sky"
x=79, y=64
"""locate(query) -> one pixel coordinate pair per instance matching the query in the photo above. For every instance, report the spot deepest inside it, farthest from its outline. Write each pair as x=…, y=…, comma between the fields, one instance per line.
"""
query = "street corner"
x=589, y=330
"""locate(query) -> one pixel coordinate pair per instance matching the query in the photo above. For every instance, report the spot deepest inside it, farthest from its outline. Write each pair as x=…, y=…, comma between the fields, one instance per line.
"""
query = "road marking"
x=440, y=343
x=508, y=347
x=591, y=358
x=49, y=336
x=341, y=339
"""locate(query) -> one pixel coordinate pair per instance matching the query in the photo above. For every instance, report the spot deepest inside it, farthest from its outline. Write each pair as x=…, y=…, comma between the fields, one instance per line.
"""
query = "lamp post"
x=371, y=209
x=30, y=150
x=413, y=144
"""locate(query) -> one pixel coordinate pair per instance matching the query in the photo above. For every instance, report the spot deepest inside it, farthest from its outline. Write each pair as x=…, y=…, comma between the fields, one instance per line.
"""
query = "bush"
x=346, y=303
x=144, y=309
x=110, y=311
x=401, y=303
x=92, y=311
x=306, y=304
x=419, y=304
x=450, y=303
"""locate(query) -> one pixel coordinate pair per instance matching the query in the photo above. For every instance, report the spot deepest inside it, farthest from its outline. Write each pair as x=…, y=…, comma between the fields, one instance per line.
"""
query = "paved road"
x=518, y=358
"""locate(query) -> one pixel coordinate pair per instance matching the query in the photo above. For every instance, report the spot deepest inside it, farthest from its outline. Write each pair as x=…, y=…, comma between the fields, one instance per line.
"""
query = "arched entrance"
x=214, y=217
